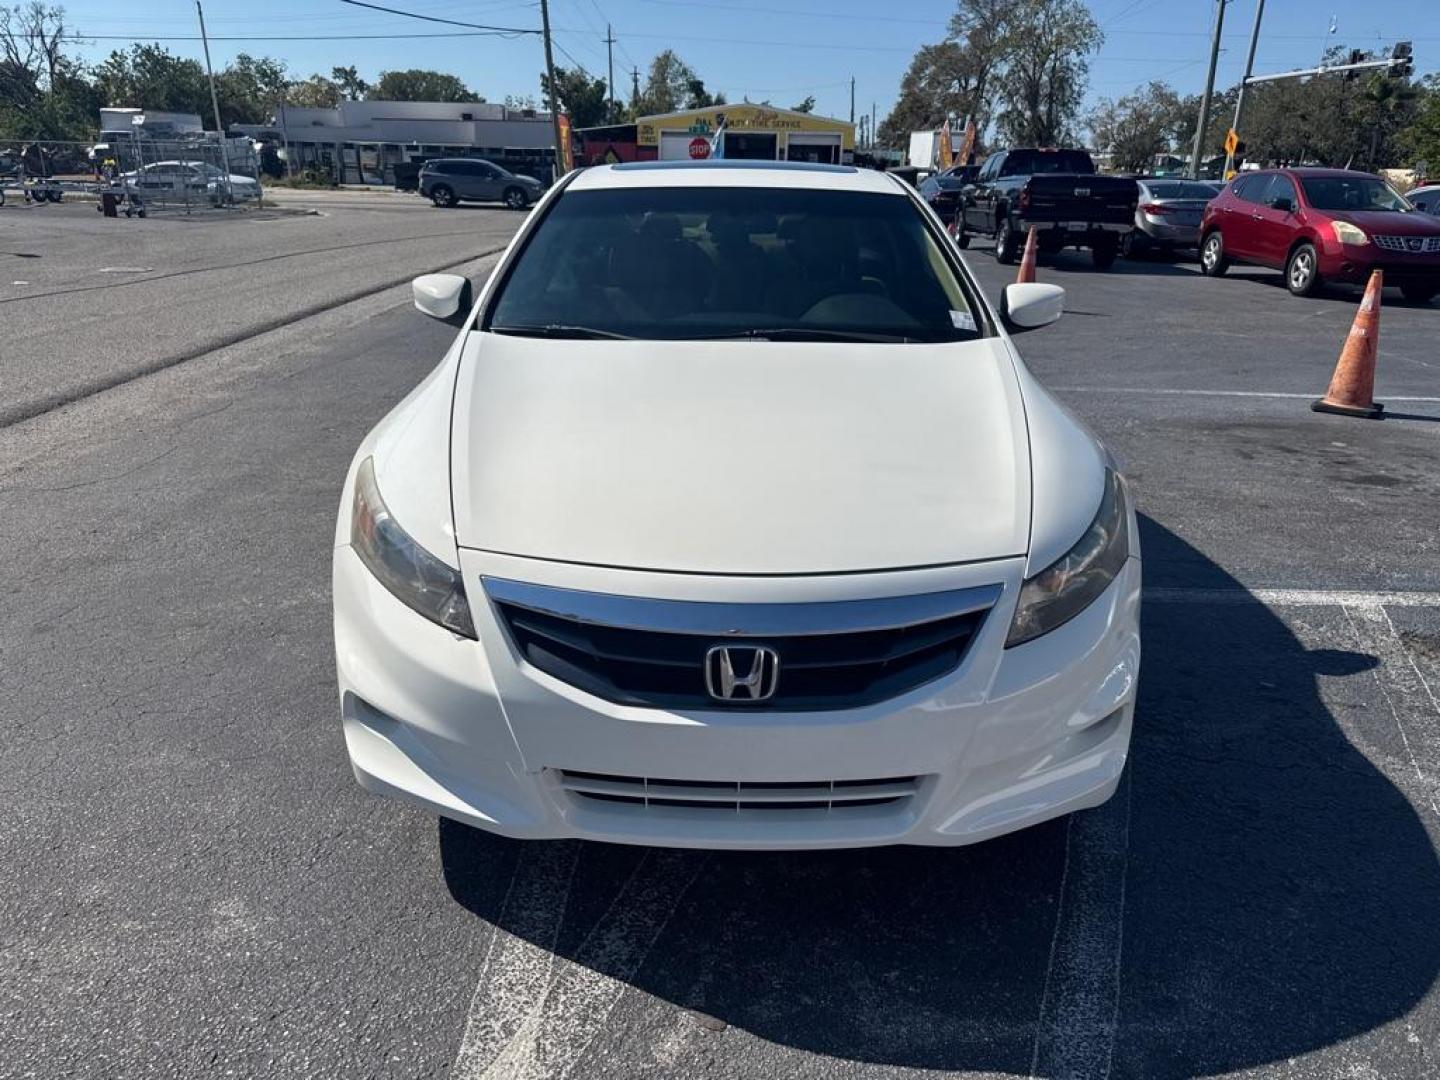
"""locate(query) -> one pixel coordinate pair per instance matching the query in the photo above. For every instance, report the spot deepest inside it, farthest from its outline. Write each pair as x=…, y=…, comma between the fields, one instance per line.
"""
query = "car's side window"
x=1280, y=188
x=1250, y=188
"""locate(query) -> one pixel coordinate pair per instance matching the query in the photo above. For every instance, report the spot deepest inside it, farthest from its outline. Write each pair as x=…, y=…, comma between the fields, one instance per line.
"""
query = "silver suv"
x=448, y=181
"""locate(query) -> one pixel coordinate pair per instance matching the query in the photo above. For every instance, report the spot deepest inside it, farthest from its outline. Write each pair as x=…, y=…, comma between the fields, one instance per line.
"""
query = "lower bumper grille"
x=733, y=796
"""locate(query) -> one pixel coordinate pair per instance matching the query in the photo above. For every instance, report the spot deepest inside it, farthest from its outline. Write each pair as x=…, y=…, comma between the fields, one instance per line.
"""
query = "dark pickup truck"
x=1058, y=192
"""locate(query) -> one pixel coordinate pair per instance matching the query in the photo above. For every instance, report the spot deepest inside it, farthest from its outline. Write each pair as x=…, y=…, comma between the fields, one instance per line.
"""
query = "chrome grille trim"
x=1430, y=245
x=736, y=796
x=740, y=620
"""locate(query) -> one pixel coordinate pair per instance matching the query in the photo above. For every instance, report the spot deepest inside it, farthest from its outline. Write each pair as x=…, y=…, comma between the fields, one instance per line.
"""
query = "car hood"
x=1388, y=222
x=740, y=457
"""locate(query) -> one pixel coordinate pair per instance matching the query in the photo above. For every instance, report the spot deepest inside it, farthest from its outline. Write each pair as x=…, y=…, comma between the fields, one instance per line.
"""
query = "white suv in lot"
x=732, y=518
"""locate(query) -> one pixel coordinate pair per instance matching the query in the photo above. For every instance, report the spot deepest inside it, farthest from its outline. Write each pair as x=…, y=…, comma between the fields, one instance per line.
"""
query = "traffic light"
x=1402, y=64
x=1357, y=56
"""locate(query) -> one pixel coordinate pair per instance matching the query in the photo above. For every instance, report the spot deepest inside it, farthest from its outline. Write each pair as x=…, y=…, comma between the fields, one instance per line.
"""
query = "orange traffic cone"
x=1353, y=385
x=1027, y=261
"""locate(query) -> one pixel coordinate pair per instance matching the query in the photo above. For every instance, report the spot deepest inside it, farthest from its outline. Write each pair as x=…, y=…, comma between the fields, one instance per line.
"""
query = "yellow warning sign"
x=1232, y=140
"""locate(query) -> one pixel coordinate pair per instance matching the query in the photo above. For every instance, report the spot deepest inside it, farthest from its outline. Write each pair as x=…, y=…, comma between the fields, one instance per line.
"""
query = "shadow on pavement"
x=1281, y=895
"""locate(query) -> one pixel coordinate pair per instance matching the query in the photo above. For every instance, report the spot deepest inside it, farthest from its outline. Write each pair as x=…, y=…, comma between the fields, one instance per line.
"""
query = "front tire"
x=1419, y=292
x=443, y=195
x=962, y=238
x=1302, y=271
x=1007, y=244
x=516, y=199
x=1213, y=262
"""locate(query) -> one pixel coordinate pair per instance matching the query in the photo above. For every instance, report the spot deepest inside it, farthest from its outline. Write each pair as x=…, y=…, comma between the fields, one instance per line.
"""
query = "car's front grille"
x=1414, y=245
x=656, y=653
x=733, y=796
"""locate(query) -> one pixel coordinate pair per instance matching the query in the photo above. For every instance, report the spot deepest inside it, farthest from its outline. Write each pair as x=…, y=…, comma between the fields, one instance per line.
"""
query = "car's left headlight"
x=1072, y=582
x=1347, y=233
x=417, y=578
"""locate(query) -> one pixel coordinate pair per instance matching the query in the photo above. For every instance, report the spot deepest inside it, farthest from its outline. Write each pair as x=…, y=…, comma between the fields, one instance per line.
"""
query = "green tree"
x=316, y=92
x=672, y=85
x=1023, y=62
x=418, y=84
x=1137, y=127
x=151, y=77
x=582, y=97
x=352, y=87
x=44, y=94
x=1046, y=71
x=1420, y=139
x=250, y=89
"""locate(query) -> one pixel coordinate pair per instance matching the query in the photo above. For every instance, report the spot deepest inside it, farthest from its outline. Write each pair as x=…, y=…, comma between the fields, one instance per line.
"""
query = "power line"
x=811, y=13
x=513, y=31
x=82, y=38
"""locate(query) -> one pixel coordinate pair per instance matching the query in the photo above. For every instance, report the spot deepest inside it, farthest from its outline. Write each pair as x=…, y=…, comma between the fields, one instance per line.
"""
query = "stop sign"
x=699, y=148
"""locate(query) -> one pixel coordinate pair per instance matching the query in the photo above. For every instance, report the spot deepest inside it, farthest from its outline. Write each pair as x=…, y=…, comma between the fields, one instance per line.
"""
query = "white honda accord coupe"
x=732, y=518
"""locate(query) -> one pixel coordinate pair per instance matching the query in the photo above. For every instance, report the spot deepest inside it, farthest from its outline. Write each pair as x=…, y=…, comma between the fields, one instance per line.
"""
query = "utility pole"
x=1209, y=90
x=872, y=125
x=634, y=88
x=550, y=81
x=610, y=59
x=215, y=103
x=852, y=99
x=1240, y=97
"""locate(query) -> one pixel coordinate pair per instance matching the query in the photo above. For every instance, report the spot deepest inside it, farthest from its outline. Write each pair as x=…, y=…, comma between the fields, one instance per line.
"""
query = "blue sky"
x=776, y=49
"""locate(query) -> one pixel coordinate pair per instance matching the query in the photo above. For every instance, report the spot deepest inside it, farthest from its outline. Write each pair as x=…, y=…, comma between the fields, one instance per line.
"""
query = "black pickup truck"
x=1058, y=192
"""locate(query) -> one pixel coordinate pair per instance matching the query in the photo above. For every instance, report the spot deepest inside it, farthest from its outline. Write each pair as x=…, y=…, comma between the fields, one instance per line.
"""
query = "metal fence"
x=134, y=174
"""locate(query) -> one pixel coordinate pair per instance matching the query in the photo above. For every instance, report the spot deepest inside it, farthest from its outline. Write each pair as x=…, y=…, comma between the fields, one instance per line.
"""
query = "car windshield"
x=716, y=262
x=1351, y=193
x=1179, y=189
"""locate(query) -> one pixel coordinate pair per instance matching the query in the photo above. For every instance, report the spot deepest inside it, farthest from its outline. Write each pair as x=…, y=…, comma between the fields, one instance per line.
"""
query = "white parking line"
x=1404, y=688
x=529, y=1020
x=515, y=976
x=1079, y=1006
x=1294, y=597
x=1217, y=393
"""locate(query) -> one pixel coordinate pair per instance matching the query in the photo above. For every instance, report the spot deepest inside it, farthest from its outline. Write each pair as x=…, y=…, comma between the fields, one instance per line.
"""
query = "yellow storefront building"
x=747, y=132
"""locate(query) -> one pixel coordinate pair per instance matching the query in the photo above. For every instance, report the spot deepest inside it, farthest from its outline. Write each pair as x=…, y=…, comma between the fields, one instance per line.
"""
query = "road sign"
x=699, y=148
x=1232, y=140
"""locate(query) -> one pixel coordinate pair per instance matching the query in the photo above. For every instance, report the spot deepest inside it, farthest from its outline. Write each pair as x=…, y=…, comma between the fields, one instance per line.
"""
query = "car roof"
x=754, y=174
x=1315, y=171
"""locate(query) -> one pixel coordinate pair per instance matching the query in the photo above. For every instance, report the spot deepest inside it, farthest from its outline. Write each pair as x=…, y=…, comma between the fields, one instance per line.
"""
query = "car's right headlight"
x=417, y=578
x=1349, y=234
x=1074, y=581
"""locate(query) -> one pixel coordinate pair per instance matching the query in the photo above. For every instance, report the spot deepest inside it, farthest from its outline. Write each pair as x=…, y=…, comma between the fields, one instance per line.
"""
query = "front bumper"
x=1353, y=263
x=467, y=730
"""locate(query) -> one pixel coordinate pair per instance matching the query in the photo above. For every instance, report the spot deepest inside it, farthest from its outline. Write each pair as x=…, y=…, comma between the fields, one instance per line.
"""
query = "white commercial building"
x=363, y=141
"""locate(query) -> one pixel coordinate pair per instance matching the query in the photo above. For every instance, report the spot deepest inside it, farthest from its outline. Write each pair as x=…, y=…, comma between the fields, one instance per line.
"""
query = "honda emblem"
x=742, y=672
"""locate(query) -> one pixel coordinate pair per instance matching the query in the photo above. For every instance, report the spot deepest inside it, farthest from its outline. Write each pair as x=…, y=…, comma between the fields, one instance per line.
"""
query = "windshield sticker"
x=962, y=320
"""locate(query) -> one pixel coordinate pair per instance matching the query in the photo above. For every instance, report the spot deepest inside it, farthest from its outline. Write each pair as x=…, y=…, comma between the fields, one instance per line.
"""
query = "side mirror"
x=1281, y=203
x=443, y=296
x=1031, y=306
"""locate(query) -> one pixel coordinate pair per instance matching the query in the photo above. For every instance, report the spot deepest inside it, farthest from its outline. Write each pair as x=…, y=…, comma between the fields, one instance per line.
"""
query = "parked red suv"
x=1322, y=225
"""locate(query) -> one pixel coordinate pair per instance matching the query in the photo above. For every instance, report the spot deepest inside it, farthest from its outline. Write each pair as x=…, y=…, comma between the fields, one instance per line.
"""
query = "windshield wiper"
x=807, y=333
x=560, y=330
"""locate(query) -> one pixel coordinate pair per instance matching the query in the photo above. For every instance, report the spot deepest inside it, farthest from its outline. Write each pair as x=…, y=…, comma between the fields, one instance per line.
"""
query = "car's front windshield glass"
x=708, y=262
x=1352, y=193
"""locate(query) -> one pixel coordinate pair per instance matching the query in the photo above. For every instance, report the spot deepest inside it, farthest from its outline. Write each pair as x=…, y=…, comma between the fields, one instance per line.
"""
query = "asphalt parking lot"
x=195, y=886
